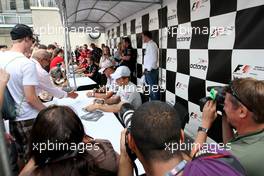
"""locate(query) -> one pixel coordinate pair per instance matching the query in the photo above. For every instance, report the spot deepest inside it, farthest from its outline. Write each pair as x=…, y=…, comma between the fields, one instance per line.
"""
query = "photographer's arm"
x=227, y=130
x=125, y=165
x=208, y=117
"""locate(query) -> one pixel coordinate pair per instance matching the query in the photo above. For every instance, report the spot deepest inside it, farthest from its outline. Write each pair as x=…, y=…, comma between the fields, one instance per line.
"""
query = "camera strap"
x=130, y=153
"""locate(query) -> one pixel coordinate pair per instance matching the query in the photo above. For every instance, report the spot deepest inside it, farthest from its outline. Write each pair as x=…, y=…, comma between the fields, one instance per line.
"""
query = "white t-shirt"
x=22, y=72
x=130, y=95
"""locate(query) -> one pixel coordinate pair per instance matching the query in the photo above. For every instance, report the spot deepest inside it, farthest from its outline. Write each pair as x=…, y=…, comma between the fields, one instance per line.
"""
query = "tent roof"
x=100, y=13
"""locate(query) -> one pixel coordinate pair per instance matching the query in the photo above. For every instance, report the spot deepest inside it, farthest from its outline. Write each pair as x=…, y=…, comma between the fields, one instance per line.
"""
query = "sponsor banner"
x=163, y=35
x=184, y=35
x=195, y=120
x=244, y=71
x=171, y=62
x=172, y=13
x=200, y=9
x=170, y=97
x=222, y=31
x=181, y=85
x=153, y=20
x=246, y=63
x=198, y=63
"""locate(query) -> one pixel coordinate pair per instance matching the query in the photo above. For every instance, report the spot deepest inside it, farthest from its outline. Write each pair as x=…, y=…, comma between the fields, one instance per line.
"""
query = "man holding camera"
x=158, y=143
x=147, y=138
x=243, y=111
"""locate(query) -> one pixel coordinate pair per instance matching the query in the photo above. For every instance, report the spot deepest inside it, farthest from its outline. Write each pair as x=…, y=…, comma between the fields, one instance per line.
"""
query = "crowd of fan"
x=156, y=131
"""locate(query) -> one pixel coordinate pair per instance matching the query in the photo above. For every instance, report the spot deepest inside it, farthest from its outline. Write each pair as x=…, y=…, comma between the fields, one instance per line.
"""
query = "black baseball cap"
x=20, y=31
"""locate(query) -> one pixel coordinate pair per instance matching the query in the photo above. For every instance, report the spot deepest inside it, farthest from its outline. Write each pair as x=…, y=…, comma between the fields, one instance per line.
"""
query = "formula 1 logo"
x=198, y=4
x=242, y=69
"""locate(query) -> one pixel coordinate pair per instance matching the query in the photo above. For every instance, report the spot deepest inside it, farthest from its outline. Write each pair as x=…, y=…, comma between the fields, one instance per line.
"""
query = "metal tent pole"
x=66, y=44
x=4, y=158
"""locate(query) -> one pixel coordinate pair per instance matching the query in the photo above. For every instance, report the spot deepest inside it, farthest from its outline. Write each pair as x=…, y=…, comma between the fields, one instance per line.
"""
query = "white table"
x=107, y=127
x=81, y=81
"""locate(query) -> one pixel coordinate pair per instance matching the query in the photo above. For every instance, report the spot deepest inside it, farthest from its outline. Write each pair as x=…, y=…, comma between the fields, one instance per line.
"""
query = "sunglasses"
x=233, y=92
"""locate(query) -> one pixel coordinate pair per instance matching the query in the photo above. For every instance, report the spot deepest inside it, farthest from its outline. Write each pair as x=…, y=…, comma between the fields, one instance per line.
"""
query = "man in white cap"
x=108, y=90
x=127, y=93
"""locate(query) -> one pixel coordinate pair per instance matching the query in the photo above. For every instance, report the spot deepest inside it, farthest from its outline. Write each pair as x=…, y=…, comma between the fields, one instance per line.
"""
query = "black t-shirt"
x=131, y=63
x=92, y=69
x=96, y=54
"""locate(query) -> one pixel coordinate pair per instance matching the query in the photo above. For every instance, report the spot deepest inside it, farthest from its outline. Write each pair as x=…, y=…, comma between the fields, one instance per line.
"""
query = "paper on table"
x=92, y=116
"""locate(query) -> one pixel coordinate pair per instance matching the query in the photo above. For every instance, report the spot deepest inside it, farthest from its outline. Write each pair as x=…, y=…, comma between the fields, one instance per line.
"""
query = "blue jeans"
x=152, y=78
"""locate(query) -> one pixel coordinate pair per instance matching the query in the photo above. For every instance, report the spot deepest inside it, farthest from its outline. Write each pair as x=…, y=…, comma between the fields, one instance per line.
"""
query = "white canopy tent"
x=96, y=14
x=100, y=13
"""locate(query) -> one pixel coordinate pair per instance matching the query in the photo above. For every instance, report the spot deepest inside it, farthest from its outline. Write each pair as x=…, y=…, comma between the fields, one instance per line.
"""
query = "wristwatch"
x=203, y=129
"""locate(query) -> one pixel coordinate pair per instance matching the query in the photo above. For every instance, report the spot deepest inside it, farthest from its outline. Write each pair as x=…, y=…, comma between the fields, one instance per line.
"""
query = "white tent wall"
x=190, y=62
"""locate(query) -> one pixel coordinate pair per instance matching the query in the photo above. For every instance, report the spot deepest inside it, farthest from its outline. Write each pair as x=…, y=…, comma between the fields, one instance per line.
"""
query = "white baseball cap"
x=106, y=64
x=122, y=71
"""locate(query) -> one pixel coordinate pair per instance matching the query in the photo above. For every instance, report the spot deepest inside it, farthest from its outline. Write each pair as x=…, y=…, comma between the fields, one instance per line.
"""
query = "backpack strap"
x=20, y=104
x=12, y=61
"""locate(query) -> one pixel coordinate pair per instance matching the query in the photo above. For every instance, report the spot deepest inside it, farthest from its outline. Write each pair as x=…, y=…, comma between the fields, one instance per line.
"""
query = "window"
x=12, y=4
x=51, y=3
x=1, y=6
x=26, y=4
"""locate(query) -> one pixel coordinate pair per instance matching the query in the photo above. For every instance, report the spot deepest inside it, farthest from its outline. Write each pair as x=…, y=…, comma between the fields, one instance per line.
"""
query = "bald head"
x=43, y=57
x=41, y=54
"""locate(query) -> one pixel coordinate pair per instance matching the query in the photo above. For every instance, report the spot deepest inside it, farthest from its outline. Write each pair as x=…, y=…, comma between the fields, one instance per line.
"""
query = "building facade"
x=18, y=11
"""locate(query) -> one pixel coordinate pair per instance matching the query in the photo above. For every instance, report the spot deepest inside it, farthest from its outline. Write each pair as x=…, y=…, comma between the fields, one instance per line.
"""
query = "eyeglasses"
x=232, y=91
x=33, y=40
